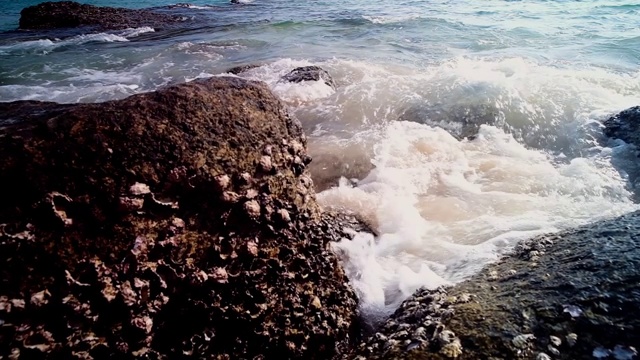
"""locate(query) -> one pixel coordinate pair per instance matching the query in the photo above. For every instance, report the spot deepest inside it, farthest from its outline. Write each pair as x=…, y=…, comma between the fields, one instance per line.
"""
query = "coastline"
x=209, y=181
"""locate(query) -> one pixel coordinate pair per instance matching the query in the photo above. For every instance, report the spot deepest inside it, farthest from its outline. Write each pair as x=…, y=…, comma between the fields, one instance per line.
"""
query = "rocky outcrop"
x=175, y=224
x=625, y=126
x=70, y=14
x=309, y=73
x=564, y=296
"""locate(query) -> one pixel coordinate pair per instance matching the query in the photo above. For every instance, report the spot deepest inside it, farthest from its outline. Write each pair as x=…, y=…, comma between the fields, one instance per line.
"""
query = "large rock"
x=70, y=14
x=573, y=295
x=178, y=223
x=625, y=126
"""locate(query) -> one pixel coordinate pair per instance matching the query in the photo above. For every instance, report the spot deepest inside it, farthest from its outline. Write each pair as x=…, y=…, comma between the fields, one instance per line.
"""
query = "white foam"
x=134, y=32
x=389, y=19
x=45, y=46
x=209, y=51
x=445, y=207
x=191, y=6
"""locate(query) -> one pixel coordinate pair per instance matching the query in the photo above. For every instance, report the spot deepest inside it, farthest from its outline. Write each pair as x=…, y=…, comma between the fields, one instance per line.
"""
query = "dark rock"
x=624, y=126
x=69, y=14
x=237, y=70
x=578, y=287
x=309, y=73
x=148, y=227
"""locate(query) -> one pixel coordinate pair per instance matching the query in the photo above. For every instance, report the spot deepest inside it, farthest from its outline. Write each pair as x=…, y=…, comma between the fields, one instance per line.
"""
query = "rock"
x=309, y=73
x=327, y=170
x=523, y=316
x=237, y=70
x=164, y=258
x=461, y=121
x=70, y=14
x=624, y=126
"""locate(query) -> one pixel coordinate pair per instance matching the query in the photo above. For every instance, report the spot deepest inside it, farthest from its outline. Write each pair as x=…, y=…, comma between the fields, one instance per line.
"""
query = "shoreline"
x=192, y=180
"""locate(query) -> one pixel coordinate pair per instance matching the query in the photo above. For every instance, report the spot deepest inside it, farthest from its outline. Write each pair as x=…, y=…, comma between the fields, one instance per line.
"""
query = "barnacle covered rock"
x=176, y=246
x=574, y=305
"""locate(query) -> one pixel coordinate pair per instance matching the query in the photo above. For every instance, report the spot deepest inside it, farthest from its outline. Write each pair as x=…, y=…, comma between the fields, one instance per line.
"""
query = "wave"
x=443, y=204
x=390, y=19
x=45, y=46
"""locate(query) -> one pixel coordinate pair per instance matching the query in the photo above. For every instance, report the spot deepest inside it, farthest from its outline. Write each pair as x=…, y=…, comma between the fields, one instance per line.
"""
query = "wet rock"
x=461, y=121
x=594, y=268
x=625, y=126
x=161, y=259
x=237, y=70
x=328, y=169
x=309, y=73
x=69, y=14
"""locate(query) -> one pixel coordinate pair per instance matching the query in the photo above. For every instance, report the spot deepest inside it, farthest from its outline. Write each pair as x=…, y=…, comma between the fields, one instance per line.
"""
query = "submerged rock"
x=70, y=14
x=328, y=169
x=461, y=121
x=147, y=227
x=309, y=73
x=582, y=285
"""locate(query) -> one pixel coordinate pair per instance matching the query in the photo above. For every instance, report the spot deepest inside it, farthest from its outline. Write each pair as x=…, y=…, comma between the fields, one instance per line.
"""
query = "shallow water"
x=526, y=82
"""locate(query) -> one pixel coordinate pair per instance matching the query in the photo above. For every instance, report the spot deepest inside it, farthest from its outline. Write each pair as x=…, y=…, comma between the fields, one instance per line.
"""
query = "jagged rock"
x=70, y=14
x=117, y=239
x=309, y=73
x=582, y=286
x=624, y=126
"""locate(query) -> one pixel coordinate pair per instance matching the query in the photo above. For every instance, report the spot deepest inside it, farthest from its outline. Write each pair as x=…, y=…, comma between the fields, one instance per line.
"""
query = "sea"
x=456, y=128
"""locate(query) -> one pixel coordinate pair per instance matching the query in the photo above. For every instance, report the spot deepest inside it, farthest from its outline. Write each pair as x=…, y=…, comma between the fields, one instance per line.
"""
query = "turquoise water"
x=411, y=75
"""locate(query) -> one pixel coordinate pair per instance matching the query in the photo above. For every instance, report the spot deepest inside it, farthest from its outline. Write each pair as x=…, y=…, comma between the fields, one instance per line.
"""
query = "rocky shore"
x=182, y=224
x=178, y=223
x=571, y=295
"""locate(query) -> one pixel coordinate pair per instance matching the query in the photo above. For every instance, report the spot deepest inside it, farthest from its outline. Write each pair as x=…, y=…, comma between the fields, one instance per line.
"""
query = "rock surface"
x=564, y=296
x=70, y=14
x=180, y=223
x=625, y=126
x=309, y=73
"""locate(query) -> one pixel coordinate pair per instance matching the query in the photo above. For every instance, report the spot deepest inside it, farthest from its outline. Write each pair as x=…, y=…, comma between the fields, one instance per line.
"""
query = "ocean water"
x=459, y=127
